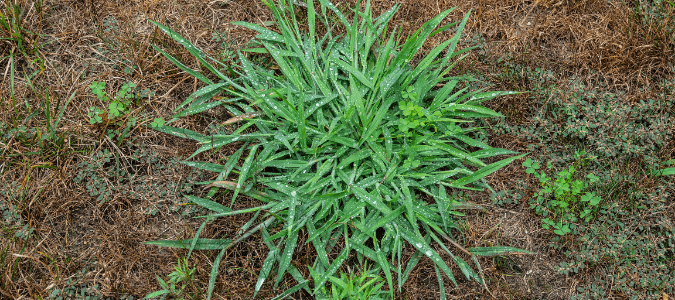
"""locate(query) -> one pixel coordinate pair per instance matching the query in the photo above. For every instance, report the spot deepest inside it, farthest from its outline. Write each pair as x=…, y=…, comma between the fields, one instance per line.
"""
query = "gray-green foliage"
x=627, y=249
x=605, y=124
x=139, y=176
x=328, y=148
x=12, y=201
x=631, y=253
x=75, y=290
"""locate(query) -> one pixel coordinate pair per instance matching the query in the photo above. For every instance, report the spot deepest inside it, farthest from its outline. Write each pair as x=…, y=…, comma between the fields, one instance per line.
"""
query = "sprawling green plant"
x=352, y=145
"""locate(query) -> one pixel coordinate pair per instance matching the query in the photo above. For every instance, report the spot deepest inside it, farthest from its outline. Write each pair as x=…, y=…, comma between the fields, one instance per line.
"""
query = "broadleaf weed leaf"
x=115, y=109
x=98, y=89
x=158, y=122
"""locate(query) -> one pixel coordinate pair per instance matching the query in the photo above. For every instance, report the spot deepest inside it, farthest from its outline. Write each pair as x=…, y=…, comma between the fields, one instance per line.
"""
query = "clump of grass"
x=347, y=139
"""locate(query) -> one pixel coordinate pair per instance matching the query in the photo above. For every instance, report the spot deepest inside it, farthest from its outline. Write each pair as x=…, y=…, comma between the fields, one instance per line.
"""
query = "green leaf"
x=496, y=251
x=487, y=170
x=198, y=54
x=211, y=205
x=201, y=244
x=183, y=67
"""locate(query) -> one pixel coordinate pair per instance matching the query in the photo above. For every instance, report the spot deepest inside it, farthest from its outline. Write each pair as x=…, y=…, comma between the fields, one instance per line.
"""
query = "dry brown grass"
x=569, y=37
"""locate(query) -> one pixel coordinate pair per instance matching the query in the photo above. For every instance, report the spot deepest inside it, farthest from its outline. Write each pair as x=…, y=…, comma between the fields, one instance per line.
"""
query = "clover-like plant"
x=563, y=196
x=323, y=152
x=118, y=106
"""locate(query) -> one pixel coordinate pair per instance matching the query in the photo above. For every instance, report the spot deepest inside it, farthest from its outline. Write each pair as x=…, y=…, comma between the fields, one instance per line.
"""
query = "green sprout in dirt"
x=182, y=274
x=117, y=107
x=564, y=196
x=322, y=151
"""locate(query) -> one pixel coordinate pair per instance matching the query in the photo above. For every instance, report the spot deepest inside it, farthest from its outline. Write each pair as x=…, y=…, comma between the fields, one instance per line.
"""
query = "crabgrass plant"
x=344, y=144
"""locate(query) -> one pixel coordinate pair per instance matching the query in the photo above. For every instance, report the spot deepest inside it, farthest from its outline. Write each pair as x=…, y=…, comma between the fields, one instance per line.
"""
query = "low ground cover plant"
x=116, y=106
x=564, y=198
x=117, y=109
x=352, y=146
x=627, y=248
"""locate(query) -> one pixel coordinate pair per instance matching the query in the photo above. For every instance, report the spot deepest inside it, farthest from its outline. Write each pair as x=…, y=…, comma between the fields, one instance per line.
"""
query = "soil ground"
x=89, y=221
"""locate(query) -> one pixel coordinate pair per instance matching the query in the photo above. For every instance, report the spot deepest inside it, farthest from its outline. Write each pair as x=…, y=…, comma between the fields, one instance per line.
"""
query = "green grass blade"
x=386, y=219
x=198, y=54
x=332, y=269
x=210, y=90
x=496, y=251
x=214, y=272
x=196, y=109
x=487, y=170
x=423, y=247
x=286, y=257
x=492, y=152
x=457, y=153
x=440, y=283
x=353, y=71
x=245, y=169
x=265, y=34
x=200, y=244
x=475, y=108
x=426, y=62
x=204, y=166
x=384, y=264
x=211, y=205
x=182, y=133
x=414, y=259
x=183, y=67
x=63, y=108
x=265, y=270
x=292, y=290
x=664, y=172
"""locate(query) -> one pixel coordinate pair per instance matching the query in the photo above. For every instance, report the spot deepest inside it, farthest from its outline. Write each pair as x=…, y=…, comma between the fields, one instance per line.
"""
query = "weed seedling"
x=117, y=106
x=563, y=195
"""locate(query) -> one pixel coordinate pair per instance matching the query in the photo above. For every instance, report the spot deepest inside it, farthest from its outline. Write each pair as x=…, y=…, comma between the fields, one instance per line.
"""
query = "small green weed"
x=117, y=106
x=182, y=274
x=509, y=196
x=226, y=53
x=564, y=195
x=630, y=256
